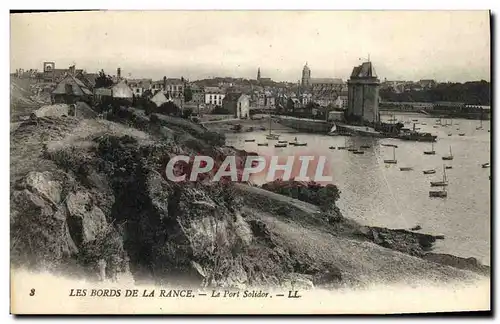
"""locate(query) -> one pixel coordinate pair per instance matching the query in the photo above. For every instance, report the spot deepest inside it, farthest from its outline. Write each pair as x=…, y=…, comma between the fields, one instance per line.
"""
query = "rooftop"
x=365, y=70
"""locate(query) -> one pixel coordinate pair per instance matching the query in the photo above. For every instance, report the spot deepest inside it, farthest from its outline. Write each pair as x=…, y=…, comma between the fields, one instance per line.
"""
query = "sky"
x=402, y=45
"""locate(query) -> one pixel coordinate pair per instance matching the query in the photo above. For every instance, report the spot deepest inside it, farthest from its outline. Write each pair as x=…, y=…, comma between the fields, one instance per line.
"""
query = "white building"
x=214, y=96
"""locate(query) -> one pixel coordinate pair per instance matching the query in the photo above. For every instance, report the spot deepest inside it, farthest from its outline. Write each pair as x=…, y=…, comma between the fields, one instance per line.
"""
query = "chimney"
x=72, y=70
x=164, y=83
x=119, y=73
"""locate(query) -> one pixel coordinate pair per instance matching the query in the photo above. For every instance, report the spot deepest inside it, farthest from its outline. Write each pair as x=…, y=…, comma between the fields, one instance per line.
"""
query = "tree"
x=103, y=80
x=188, y=94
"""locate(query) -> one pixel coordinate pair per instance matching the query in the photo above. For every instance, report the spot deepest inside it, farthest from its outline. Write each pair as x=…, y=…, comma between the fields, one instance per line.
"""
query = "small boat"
x=458, y=128
x=461, y=134
x=449, y=134
x=448, y=167
x=480, y=126
x=431, y=152
x=432, y=171
x=282, y=141
x=262, y=144
x=393, y=161
x=271, y=136
x=390, y=145
x=352, y=149
x=416, y=228
x=262, y=128
x=280, y=145
x=438, y=194
x=365, y=146
x=250, y=140
x=405, y=169
x=449, y=157
x=423, y=123
x=415, y=120
x=435, y=126
x=485, y=165
x=297, y=144
x=332, y=147
x=358, y=152
x=442, y=183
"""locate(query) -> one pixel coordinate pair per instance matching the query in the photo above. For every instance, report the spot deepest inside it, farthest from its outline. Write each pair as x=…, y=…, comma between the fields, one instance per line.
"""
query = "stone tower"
x=258, y=74
x=306, y=77
x=363, y=94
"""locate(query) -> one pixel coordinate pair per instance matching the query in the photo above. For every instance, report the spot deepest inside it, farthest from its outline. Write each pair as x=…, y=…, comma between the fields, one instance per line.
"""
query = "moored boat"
x=431, y=171
x=431, y=152
x=485, y=165
x=405, y=169
x=448, y=157
x=262, y=144
x=358, y=152
x=442, y=183
x=280, y=145
x=249, y=140
x=393, y=161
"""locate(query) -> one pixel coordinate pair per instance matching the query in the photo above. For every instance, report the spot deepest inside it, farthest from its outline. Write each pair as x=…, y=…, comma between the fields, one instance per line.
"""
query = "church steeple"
x=306, y=76
x=258, y=74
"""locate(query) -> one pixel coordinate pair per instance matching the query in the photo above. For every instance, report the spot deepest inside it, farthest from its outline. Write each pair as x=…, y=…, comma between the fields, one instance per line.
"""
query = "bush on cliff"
x=311, y=192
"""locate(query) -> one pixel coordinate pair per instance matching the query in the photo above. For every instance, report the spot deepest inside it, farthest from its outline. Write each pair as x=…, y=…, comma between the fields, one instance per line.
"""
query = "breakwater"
x=306, y=125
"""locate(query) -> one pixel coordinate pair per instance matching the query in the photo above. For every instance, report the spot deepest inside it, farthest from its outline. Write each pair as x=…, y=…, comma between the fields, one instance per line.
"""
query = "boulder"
x=40, y=231
x=85, y=219
x=42, y=184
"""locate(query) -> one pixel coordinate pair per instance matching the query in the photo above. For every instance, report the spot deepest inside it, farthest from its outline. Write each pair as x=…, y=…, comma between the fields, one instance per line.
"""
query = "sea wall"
x=306, y=125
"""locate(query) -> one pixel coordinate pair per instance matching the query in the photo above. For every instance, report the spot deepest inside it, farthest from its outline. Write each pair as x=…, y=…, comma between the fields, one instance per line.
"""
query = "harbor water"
x=379, y=194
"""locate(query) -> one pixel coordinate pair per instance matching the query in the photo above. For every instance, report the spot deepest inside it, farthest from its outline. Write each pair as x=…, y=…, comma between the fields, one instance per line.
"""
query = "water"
x=378, y=194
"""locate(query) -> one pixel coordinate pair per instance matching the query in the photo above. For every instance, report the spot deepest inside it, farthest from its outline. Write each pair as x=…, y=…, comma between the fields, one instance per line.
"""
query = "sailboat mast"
x=270, y=122
x=394, y=153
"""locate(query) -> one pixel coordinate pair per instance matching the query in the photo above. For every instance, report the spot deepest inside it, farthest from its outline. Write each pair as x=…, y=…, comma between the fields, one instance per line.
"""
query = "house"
x=88, y=79
x=51, y=74
x=341, y=102
x=238, y=104
x=139, y=86
x=174, y=87
x=214, y=96
x=71, y=90
x=122, y=91
x=159, y=99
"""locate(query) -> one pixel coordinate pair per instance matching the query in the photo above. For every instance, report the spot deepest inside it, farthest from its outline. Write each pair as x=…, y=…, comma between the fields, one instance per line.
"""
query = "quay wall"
x=306, y=125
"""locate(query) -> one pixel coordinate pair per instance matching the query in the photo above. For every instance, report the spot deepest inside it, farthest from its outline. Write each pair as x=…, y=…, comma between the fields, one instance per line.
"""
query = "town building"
x=341, y=102
x=71, y=90
x=121, y=91
x=214, y=96
x=159, y=99
x=363, y=94
x=51, y=74
x=139, y=86
x=237, y=103
x=174, y=87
